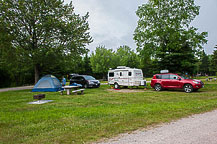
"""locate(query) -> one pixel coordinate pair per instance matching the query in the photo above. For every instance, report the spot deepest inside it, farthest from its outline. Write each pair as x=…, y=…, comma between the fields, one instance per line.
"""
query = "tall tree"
x=102, y=60
x=205, y=64
x=86, y=65
x=214, y=61
x=44, y=30
x=127, y=57
x=164, y=33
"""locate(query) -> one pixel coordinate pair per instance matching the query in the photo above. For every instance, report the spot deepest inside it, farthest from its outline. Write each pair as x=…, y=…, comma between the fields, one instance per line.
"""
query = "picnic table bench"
x=210, y=79
x=79, y=90
x=69, y=88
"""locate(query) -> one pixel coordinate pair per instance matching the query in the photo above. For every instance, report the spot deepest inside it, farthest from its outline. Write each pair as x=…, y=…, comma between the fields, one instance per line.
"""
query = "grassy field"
x=97, y=114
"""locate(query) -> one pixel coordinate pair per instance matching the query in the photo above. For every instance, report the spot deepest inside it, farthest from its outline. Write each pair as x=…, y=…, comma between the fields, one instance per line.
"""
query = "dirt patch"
x=127, y=90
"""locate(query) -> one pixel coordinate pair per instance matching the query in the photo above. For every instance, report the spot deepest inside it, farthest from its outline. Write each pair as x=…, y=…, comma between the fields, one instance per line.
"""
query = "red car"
x=174, y=81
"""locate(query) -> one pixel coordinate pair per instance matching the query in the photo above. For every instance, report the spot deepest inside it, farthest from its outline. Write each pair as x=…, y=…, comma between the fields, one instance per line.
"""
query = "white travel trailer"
x=125, y=76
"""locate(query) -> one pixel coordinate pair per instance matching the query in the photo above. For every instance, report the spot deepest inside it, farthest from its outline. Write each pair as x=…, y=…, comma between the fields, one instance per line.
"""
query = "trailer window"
x=130, y=73
x=138, y=73
x=111, y=74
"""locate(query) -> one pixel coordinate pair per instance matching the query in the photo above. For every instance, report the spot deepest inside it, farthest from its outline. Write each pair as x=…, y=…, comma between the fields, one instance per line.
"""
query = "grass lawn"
x=97, y=114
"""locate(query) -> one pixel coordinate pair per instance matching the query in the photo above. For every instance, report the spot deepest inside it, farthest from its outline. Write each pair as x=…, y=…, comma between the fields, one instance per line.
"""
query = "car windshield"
x=185, y=77
x=89, y=78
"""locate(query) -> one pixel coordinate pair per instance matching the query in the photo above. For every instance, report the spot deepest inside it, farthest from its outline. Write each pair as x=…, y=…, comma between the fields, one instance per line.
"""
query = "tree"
x=44, y=31
x=126, y=57
x=164, y=34
x=205, y=64
x=13, y=71
x=87, y=65
x=214, y=61
x=102, y=60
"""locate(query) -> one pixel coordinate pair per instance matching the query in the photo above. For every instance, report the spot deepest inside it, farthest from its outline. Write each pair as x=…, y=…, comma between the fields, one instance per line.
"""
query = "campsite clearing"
x=95, y=115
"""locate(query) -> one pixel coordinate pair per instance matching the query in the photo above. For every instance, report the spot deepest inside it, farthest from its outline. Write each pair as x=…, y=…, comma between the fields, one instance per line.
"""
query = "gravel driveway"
x=197, y=129
x=16, y=88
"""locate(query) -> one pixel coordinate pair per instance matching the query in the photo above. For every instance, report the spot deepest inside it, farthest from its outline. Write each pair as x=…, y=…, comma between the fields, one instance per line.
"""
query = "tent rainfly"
x=48, y=83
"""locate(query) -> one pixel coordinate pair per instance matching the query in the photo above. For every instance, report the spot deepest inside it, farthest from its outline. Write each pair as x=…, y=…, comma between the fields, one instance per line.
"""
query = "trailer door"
x=111, y=77
x=130, y=78
x=124, y=80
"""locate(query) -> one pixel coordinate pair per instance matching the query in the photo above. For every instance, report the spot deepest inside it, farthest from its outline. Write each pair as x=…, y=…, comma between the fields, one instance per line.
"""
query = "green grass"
x=148, y=79
x=103, y=81
x=97, y=114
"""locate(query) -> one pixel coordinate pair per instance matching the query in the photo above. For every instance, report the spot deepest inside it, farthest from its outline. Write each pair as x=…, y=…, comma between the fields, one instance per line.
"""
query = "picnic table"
x=210, y=79
x=69, y=88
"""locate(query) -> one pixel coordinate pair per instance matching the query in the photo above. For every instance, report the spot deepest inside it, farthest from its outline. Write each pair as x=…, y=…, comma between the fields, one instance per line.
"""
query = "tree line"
x=103, y=59
x=39, y=37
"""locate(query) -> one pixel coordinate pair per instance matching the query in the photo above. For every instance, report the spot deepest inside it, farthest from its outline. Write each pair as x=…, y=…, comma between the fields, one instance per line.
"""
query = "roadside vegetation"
x=53, y=39
x=97, y=114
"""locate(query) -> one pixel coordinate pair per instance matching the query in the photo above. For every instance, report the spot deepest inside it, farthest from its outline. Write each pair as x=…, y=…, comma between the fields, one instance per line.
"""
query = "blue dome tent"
x=48, y=83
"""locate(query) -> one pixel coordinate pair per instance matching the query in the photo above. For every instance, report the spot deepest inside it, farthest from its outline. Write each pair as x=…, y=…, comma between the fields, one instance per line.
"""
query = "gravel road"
x=197, y=129
x=16, y=88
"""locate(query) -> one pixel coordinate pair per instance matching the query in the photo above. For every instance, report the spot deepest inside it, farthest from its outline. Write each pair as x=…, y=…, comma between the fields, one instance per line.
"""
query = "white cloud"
x=206, y=22
x=112, y=22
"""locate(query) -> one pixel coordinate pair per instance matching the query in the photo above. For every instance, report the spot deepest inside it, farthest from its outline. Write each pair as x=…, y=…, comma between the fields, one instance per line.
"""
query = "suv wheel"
x=116, y=86
x=85, y=86
x=188, y=88
x=157, y=87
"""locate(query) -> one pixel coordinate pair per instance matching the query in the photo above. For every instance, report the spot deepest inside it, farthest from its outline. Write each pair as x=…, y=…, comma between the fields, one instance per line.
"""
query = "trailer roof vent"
x=122, y=67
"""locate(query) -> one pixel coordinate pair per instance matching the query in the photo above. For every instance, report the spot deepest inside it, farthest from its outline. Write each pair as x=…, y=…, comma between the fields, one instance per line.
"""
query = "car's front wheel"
x=188, y=88
x=157, y=87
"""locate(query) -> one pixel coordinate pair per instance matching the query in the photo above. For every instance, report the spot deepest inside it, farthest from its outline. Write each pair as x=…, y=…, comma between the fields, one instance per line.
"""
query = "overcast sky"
x=112, y=22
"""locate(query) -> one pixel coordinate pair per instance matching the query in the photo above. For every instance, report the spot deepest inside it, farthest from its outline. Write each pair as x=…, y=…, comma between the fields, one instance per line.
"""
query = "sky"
x=112, y=22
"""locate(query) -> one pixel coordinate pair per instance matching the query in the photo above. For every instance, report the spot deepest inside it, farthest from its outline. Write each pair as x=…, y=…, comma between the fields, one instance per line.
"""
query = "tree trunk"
x=36, y=73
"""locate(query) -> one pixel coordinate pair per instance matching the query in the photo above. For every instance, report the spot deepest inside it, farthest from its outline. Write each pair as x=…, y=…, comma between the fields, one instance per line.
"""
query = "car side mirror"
x=179, y=79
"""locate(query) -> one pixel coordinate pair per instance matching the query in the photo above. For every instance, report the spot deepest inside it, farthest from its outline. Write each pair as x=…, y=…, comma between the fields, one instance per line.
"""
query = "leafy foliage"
x=164, y=33
x=127, y=57
x=214, y=60
x=44, y=31
x=205, y=64
x=102, y=60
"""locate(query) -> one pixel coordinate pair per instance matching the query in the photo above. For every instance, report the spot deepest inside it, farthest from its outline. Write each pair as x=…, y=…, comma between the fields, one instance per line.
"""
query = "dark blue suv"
x=85, y=80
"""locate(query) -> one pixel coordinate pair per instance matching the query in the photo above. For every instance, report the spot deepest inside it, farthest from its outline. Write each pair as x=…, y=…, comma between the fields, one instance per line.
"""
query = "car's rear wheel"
x=188, y=88
x=157, y=87
x=85, y=86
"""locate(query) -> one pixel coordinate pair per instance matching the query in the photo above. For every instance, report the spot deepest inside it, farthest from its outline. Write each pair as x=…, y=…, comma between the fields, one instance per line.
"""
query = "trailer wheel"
x=116, y=86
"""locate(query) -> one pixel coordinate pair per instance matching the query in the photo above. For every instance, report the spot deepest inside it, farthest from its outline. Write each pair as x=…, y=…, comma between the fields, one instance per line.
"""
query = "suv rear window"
x=158, y=76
